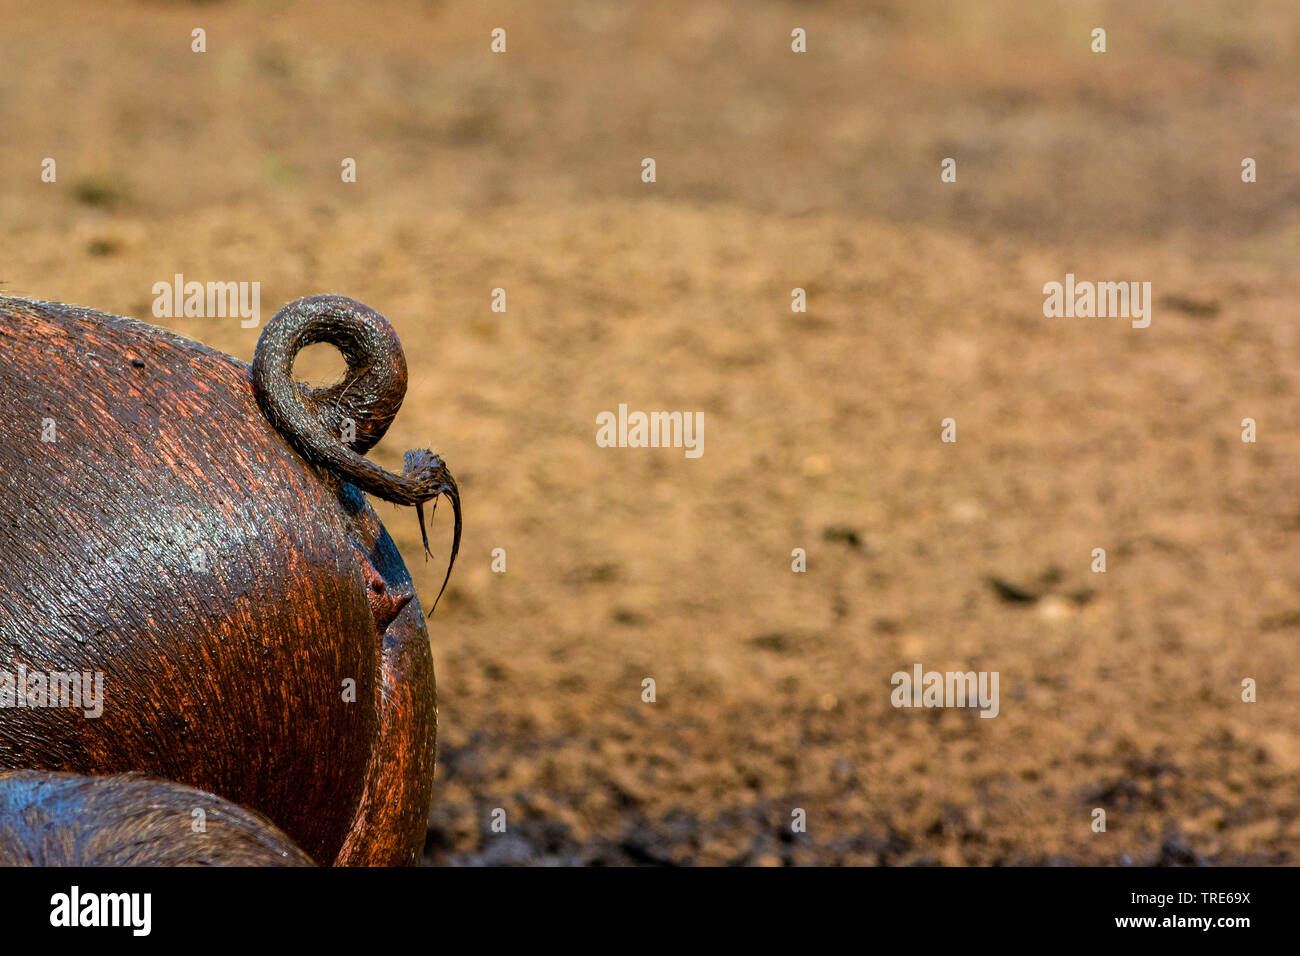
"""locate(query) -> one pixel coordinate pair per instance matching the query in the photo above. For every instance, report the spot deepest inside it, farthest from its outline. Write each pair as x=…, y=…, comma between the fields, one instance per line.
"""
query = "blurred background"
x=775, y=170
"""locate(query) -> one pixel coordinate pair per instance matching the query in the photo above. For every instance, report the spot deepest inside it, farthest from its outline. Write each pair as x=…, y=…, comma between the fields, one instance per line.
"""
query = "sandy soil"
x=1119, y=691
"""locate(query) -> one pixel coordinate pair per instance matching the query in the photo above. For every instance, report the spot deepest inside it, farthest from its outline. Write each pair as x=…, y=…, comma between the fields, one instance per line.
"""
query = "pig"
x=65, y=819
x=195, y=531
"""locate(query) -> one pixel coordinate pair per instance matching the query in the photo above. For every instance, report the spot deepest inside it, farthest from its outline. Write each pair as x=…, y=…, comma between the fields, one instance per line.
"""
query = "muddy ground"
x=1119, y=690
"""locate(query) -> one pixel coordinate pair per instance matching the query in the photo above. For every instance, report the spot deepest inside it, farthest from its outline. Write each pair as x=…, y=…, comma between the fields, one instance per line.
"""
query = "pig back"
x=157, y=531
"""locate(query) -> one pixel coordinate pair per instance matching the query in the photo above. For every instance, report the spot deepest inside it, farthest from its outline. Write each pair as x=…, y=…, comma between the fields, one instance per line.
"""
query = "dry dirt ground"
x=1120, y=691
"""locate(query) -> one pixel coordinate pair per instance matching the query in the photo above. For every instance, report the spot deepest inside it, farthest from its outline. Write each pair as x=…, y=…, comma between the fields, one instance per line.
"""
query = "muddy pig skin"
x=62, y=819
x=189, y=534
